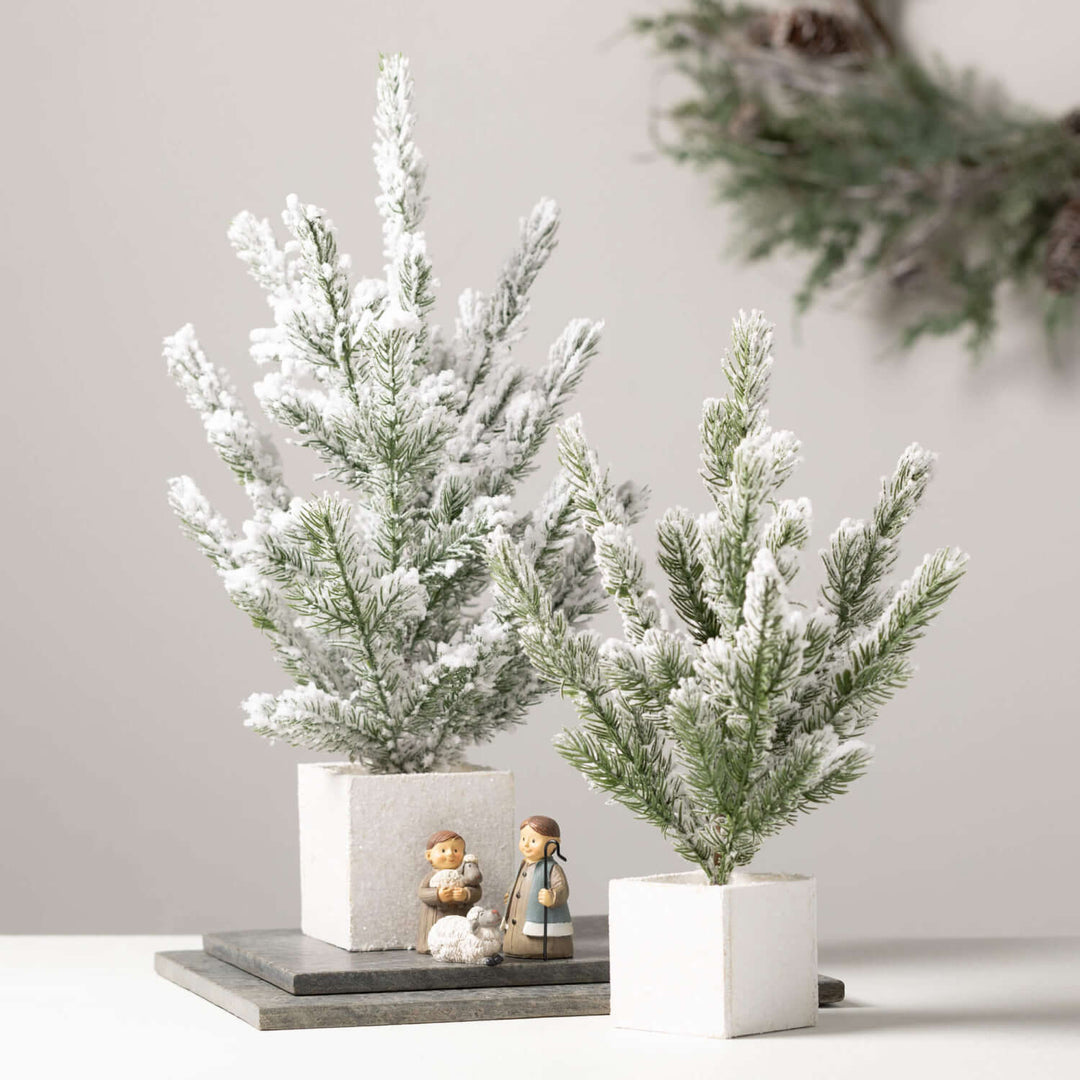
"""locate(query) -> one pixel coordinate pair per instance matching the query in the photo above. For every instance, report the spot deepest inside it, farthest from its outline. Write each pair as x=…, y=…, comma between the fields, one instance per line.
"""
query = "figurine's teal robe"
x=558, y=917
x=523, y=923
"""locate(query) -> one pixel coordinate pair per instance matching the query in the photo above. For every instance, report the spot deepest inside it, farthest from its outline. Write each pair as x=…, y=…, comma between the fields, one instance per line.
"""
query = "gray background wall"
x=131, y=798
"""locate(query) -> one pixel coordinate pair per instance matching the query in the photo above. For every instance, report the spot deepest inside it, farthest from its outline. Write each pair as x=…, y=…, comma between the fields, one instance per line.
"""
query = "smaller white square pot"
x=715, y=960
x=362, y=841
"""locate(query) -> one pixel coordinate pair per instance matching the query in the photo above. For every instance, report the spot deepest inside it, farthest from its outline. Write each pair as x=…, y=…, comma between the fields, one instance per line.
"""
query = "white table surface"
x=92, y=1006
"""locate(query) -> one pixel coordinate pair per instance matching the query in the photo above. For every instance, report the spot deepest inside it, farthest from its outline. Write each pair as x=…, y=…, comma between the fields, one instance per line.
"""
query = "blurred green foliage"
x=875, y=165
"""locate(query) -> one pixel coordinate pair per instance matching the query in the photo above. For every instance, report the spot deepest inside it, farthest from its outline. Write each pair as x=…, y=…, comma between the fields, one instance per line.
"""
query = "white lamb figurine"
x=475, y=938
x=467, y=876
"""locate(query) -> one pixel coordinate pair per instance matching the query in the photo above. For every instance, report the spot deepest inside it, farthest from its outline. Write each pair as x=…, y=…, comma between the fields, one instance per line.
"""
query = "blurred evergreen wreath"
x=838, y=143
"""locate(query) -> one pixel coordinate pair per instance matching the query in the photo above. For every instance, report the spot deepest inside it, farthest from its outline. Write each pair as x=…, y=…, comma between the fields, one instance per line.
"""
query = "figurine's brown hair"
x=545, y=826
x=442, y=835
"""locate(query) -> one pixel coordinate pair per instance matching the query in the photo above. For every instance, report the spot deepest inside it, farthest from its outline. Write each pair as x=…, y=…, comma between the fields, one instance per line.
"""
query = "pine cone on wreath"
x=816, y=33
x=1062, y=271
x=1071, y=121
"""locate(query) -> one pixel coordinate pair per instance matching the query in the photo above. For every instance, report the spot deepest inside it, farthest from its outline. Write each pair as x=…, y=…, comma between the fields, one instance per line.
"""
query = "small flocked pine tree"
x=722, y=731
x=371, y=595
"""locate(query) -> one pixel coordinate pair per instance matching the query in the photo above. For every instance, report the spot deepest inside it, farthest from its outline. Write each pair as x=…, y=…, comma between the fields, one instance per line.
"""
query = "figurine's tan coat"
x=432, y=909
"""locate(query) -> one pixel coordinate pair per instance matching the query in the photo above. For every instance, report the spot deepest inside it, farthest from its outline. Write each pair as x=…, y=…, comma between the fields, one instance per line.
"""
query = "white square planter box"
x=362, y=846
x=716, y=960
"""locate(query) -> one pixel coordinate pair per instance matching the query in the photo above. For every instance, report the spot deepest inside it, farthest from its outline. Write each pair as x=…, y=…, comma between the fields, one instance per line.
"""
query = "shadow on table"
x=920, y=950
x=856, y=1016
x=1052, y=1014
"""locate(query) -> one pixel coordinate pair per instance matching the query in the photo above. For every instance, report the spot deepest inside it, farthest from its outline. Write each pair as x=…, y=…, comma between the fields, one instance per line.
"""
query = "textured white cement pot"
x=717, y=960
x=362, y=846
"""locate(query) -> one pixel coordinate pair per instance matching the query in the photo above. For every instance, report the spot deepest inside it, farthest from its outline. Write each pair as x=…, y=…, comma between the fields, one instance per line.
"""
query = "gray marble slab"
x=271, y=1009
x=830, y=991
x=305, y=965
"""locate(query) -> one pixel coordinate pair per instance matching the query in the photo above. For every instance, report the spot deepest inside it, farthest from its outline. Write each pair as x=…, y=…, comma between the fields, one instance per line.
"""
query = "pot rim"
x=350, y=769
x=695, y=879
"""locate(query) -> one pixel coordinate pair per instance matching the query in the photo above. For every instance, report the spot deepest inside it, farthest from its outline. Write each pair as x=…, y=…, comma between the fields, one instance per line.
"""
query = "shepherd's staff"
x=547, y=881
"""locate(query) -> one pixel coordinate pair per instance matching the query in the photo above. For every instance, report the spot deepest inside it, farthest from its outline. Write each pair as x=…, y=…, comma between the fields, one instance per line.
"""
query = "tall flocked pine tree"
x=370, y=595
x=722, y=730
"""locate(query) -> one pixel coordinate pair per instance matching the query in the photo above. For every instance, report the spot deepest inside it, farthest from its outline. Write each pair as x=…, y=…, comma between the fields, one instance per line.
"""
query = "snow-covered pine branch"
x=372, y=596
x=723, y=732
x=252, y=457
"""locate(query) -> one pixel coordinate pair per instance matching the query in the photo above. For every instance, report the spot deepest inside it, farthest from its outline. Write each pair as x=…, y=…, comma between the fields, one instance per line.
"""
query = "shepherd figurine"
x=537, y=922
x=449, y=888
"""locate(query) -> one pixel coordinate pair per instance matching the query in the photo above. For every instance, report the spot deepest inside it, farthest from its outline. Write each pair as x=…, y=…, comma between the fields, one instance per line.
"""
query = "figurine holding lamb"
x=451, y=888
x=469, y=875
